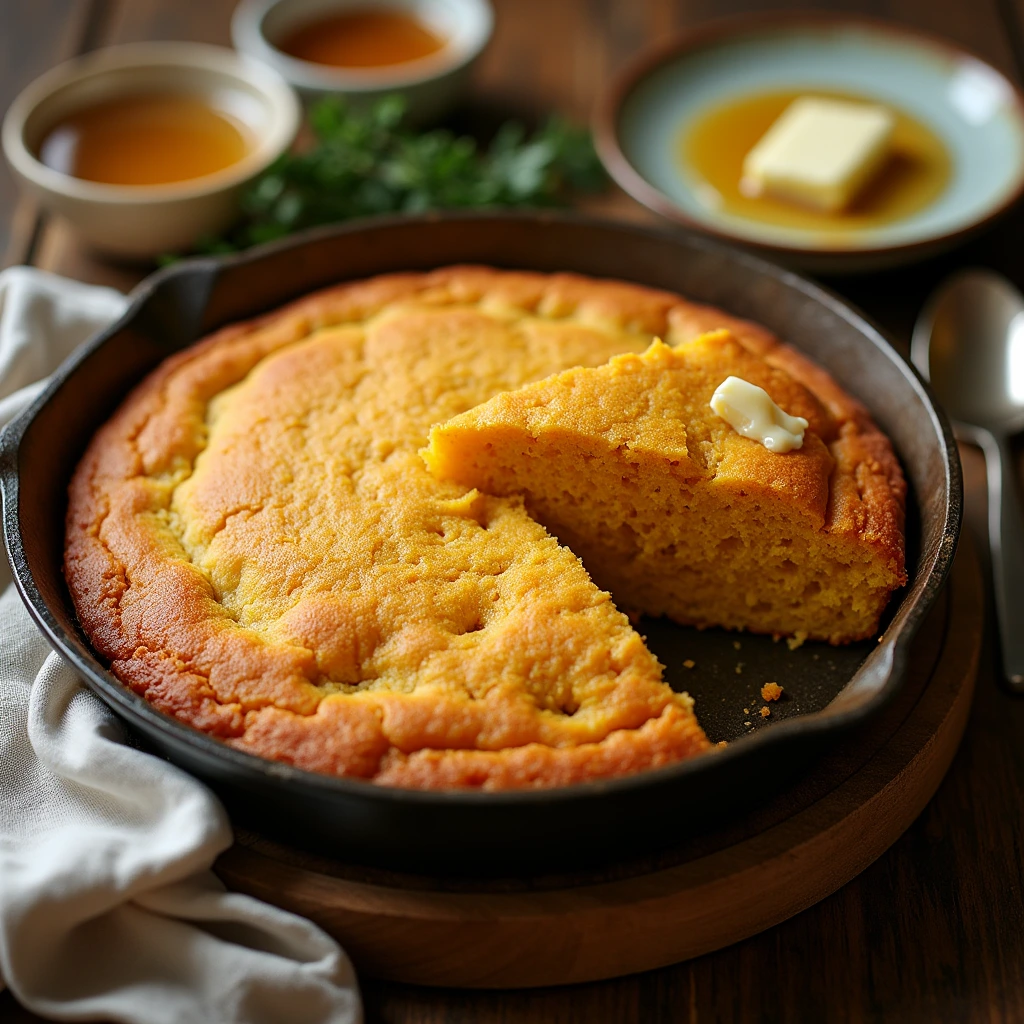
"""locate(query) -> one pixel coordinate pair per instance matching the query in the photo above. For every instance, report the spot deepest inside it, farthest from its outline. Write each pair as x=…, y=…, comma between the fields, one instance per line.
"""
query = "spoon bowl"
x=970, y=343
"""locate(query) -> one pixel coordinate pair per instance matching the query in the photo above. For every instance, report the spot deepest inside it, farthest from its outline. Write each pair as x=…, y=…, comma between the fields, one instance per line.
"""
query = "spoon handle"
x=1006, y=538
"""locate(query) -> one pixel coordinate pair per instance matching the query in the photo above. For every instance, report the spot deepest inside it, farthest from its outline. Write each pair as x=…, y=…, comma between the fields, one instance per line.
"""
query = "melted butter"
x=750, y=411
x=144, y=140
x=915, y=175
x=362, y=39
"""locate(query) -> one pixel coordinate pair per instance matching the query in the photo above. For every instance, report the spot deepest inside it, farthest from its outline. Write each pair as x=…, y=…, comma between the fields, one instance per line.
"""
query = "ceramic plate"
x=973, y=109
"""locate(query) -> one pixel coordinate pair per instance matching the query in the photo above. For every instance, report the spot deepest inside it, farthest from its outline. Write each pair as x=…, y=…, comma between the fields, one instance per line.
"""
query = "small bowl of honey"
x=835, y=143
x=145, y=148
x=363, y=50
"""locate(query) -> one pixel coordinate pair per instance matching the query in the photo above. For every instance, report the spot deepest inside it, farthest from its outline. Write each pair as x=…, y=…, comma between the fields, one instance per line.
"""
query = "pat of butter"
x=819, y=153
x=750, y=411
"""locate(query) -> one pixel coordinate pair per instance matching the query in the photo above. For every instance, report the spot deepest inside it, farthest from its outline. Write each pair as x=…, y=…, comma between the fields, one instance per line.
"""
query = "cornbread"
x=256, y=546
x=675, y=512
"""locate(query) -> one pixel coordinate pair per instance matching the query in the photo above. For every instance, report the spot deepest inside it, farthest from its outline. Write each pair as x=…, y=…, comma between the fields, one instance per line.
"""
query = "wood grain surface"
x=934, y=929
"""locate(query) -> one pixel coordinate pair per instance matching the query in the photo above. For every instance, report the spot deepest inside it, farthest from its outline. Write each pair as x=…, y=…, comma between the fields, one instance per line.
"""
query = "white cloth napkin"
x=108, y=908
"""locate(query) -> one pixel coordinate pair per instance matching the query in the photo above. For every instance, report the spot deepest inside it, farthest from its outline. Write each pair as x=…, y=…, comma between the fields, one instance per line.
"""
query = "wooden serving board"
x=800, y=845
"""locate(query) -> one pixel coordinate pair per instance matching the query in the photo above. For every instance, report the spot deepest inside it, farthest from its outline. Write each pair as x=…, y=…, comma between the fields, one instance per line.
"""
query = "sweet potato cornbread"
x=673, y=511
x=256, y=546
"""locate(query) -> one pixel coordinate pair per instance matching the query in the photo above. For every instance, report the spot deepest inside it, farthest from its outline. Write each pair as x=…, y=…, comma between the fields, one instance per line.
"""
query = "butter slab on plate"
x=820, y=153
x=973, y=112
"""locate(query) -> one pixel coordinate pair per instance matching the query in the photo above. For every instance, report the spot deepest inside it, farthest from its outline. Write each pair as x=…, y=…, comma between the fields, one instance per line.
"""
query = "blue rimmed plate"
x=975, y=111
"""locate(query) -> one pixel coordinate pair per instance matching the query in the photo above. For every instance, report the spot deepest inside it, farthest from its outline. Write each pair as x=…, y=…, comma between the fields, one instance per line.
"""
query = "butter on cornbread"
x=255, y=545
x=820, y=153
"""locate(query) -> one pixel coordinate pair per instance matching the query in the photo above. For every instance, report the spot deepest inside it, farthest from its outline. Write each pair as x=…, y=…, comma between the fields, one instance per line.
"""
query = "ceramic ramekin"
x=147, y=220
x=430, y=84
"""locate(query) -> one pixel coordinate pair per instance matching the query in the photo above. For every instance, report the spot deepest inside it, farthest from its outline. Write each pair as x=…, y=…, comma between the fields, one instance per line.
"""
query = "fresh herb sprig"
x=365, y=163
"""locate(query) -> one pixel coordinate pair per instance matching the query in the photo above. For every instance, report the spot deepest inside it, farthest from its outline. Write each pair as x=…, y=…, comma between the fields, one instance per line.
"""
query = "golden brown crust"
x=299, y=670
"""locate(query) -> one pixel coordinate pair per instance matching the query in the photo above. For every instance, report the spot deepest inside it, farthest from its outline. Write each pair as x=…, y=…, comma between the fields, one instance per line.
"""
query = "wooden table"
x=934, y=930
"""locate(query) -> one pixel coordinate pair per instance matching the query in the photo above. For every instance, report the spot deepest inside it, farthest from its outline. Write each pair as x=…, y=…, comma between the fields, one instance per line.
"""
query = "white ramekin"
x=146, y=220
x=430, y=84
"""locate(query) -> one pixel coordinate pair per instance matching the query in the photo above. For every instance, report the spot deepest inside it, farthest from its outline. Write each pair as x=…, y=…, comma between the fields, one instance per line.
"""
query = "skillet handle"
x=8, y=466
x=8, y=496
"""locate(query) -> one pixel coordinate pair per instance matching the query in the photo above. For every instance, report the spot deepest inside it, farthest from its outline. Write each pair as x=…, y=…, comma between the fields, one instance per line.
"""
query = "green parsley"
x=362, y=164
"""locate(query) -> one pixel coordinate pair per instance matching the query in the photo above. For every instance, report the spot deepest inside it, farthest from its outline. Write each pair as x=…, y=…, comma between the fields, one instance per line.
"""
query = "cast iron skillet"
x=517, y=832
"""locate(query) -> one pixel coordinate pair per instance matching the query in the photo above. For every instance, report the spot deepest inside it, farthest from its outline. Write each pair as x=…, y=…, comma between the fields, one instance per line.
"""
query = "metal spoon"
x=969, y=342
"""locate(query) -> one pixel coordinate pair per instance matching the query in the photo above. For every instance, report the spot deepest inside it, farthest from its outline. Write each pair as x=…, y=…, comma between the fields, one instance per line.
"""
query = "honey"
x=915, y=175
x=145, y=140
x=362, y=39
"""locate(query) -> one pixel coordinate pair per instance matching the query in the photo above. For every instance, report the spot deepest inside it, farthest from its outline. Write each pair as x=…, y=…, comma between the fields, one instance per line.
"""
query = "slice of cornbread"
x=673, y=511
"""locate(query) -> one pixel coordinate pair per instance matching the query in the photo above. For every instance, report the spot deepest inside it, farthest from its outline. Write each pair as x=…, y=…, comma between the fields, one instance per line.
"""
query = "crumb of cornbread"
x=797, y=639
x=765, y=711
x=689, y=663
x=672, y=511
x=771, y=691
